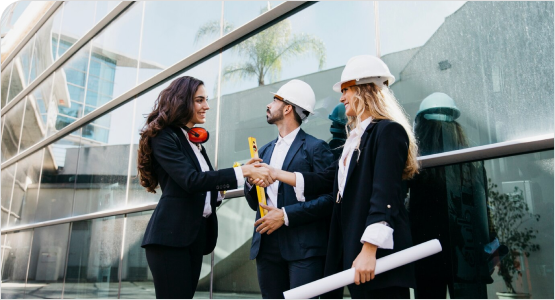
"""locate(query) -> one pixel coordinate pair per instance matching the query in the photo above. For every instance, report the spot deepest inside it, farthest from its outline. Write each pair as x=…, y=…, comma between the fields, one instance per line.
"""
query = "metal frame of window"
x=504, y=149
x=257, y=24
x=112, y=15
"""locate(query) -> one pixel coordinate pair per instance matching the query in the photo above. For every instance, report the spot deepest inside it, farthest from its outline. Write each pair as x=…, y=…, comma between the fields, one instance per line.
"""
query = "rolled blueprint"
x=347, y=277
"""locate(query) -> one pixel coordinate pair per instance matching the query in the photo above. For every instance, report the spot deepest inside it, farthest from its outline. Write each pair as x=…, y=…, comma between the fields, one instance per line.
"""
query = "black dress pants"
x=176, y=270
x=276, y=275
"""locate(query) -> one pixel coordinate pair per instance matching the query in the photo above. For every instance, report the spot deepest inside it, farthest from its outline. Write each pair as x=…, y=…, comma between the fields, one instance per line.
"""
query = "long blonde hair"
x=382, y=104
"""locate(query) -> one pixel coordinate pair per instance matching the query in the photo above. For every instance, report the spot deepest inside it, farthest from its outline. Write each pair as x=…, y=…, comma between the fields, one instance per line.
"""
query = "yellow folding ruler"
x=259, y=190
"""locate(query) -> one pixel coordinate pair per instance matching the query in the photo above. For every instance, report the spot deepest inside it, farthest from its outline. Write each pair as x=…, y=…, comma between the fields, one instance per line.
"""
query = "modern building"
x=78, y=79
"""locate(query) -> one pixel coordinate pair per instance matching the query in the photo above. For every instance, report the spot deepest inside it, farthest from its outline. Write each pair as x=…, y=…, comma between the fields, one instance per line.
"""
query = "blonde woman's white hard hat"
x=364, y=69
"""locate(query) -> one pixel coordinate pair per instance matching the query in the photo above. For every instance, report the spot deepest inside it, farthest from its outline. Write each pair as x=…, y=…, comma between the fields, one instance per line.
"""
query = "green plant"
x=509, y=212
x=263, y=54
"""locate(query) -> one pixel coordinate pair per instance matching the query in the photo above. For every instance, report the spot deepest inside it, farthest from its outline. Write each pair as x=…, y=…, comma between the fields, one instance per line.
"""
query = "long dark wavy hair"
x=173, y=108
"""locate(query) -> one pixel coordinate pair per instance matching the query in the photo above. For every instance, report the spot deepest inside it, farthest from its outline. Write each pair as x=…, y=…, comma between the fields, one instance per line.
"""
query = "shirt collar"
x=359, y=130
x=288, y=139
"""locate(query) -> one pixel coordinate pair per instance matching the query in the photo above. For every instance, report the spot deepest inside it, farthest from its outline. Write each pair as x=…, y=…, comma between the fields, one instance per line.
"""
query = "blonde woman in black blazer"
x=183, y=227
x=369, y=217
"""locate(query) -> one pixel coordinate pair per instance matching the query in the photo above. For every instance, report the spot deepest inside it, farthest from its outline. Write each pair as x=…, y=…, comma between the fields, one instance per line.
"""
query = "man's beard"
x=275, y=117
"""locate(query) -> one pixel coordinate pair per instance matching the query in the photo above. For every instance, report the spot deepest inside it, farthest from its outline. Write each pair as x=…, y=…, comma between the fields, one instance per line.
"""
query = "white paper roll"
x=347, y=277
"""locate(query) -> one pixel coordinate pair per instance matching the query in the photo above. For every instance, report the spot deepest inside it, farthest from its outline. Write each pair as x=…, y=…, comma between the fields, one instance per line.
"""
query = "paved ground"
x=129, y=290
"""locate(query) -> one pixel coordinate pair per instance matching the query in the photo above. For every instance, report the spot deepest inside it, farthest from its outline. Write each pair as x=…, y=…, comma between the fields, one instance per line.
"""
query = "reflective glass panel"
x=136, y=278
x=113, y=65
x=78, y=18
x=8, y=175
x=57, y=185
x=23, y=61
x=5, y=81
x=17, y=81
x=234, y=274
x=103, y=162
x=208, y=73
x=12, y=130
x=169, y=36
x=305, y=46
x=68, y=92
x=103, y=8
x=26, y=186
x=47, y=262
x=237, y=13
x=94, y=258
x=36, y=114
x=11, y=15
x=14, y=264
x=46, y=44
x=495, y=222
x=456, y=62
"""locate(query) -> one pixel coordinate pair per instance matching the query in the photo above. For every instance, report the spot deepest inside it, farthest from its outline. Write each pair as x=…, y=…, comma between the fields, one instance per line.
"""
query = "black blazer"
x=373, y=193
x=308, y=230
x=177, y=218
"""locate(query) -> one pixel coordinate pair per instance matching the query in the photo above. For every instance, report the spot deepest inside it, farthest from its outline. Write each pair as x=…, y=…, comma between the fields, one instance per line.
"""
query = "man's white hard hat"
x=299, y=94
x=364, y=69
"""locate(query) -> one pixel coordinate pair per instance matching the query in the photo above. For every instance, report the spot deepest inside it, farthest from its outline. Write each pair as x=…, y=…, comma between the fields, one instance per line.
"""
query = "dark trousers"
x=276, y=275
x=393, y=292
x=176, y=270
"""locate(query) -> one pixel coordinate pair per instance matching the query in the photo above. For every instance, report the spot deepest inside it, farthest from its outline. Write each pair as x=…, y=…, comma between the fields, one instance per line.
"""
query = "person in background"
x=337, y=130
x=449, y=204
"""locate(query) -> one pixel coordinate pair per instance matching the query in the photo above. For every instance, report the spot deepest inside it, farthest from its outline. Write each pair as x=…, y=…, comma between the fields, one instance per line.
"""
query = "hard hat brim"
x=285, y=100
x=337, y=87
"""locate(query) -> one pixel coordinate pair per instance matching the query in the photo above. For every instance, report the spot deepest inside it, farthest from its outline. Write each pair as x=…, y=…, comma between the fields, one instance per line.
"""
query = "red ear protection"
x=197, y=134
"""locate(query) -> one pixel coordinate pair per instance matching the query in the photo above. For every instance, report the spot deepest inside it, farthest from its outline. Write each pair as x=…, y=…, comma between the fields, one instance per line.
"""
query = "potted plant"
x=509, y=214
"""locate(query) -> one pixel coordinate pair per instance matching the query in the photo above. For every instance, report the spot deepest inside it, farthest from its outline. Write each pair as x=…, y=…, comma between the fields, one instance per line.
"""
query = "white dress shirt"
x=204, y=167
x=379, y=234
x=281, y=149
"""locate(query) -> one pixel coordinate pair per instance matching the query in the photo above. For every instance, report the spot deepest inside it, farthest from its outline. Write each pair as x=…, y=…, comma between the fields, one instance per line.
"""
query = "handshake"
x=259, y=173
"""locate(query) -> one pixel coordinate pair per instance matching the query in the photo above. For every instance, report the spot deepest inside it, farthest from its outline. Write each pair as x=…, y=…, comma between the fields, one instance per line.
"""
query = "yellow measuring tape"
x=259, y=190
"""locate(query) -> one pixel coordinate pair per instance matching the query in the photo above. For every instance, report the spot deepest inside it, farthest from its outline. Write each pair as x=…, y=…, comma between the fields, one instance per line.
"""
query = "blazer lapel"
x=186, y=147
x=297, y=143
x=203, y=152
x=267, y=156
x=354, y=158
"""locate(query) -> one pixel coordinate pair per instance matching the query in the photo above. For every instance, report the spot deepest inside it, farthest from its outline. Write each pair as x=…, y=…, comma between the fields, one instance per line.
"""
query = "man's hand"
x=262, y=174
x=365, y=264
x=271, y=221
x=272, y=171
x=253, y=161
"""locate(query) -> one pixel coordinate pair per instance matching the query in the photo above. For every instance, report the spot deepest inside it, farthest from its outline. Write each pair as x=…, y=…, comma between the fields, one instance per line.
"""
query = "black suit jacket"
x=307, y=233
x=373, y=193
x=177, y=218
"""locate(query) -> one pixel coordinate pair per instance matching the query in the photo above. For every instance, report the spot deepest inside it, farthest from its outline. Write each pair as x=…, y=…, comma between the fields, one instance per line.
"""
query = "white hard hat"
x=440, y=107
x=364, y=69
x=299, y=94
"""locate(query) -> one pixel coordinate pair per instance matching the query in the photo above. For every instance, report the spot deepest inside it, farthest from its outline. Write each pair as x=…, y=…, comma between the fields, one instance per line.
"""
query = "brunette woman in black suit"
x=369, y=218
x=183, y=227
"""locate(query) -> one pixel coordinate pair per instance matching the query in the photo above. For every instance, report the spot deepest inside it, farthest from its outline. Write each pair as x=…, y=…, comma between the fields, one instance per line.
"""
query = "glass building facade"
x=75, y=95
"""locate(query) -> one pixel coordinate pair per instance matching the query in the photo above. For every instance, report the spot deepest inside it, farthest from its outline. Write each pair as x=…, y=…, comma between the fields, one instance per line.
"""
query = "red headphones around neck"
x=197, y=134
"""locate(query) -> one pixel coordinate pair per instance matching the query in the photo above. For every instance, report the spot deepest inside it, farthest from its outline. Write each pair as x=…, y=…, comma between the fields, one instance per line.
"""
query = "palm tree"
x=264, y=53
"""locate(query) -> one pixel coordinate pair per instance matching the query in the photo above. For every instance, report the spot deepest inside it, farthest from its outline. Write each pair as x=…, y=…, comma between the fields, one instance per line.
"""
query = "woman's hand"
x=271, y=222
x=253, y=161
x=365, y=264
